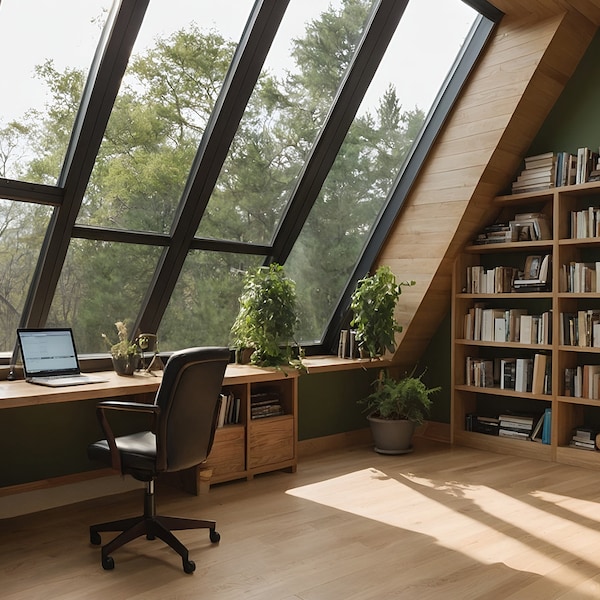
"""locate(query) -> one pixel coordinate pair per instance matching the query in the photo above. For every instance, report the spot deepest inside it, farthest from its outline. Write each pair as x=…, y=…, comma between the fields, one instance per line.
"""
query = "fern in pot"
x=395, y=408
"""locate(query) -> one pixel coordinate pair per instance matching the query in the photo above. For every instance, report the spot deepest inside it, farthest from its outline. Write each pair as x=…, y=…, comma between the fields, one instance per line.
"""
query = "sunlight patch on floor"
x=497, y=527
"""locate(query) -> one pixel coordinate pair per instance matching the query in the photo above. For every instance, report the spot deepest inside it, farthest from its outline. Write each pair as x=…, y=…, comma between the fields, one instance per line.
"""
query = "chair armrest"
x=106, y=405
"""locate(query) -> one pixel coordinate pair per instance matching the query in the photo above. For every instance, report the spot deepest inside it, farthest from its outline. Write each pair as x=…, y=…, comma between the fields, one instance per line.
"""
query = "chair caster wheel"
x=108, y=563
x=189, y=566
x=215, y=536
x=95, y=538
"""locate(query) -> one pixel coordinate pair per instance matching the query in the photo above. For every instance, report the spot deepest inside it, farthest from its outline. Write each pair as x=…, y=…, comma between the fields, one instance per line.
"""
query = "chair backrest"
x=189, y=398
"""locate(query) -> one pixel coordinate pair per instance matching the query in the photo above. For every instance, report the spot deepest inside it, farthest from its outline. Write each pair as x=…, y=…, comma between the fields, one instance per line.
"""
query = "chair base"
x=152, y=526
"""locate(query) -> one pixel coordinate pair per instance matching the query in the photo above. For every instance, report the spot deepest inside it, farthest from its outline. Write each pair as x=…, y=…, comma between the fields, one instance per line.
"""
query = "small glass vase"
x=126, y=366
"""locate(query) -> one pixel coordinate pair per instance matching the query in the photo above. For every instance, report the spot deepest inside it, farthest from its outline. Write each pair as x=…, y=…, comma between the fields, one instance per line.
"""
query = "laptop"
x=49, y=358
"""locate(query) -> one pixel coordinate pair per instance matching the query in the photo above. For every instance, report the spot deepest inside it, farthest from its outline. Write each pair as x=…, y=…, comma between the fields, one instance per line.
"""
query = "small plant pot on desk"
x=126, y=366
x=391, y=436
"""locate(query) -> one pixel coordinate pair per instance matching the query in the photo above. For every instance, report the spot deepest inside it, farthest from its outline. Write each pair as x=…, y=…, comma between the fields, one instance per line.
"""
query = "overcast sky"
x=67, y=31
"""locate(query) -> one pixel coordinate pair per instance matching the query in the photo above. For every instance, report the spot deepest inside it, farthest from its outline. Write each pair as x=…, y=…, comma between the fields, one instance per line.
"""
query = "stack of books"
x=583, y=438
x=482, y=424
x=265, y=404
x=539, y=173
x=498, y=233
x=516, y=426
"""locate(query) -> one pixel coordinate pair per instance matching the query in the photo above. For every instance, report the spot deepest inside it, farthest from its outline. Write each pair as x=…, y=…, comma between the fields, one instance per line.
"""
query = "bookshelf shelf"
x=562, y=206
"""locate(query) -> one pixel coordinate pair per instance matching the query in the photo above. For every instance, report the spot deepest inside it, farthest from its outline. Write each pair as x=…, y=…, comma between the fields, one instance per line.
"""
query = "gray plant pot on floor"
x=392, y=436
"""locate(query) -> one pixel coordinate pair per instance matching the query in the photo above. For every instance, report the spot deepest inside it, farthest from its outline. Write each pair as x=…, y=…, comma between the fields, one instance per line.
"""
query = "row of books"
x=265, y=404
x=585, y=223
x=583, y=381
x=507, y=325
x=229, y=410
x=529, y=375
x=579, y=277
x=534, y=276
x=347, y=345
x=549, y=169
x=581, y=328
x=514, y=426
x=495, y=280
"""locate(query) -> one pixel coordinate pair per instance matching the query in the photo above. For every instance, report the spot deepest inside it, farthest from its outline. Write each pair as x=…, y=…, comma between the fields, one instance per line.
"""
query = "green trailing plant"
x=266, y=321
x=373, y=304
x=404, y=398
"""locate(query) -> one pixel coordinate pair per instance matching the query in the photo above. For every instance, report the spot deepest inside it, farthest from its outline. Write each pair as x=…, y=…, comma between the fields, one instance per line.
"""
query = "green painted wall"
x=573, y=122
x=328, y=402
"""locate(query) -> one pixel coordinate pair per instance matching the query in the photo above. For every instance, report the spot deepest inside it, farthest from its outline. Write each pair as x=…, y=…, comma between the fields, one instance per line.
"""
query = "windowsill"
x=324, y=363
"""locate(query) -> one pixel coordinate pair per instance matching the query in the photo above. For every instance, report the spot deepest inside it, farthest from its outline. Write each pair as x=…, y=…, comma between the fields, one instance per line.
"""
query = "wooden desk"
x=239, y=451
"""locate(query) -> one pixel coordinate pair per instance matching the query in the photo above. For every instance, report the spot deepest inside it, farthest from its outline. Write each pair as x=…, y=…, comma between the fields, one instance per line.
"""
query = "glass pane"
x=47, y=49
x=205, y=301
x=310, y=54
x=168, y=92
x=387, y=124
x=22, y=230
x=101, y=283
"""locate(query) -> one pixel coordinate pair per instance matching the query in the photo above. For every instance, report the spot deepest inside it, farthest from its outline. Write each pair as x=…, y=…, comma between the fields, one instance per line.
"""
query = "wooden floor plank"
x=440, y=523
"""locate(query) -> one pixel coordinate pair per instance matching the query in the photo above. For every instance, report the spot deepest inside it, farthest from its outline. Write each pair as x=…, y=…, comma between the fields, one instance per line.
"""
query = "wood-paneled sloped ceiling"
x=534, y=51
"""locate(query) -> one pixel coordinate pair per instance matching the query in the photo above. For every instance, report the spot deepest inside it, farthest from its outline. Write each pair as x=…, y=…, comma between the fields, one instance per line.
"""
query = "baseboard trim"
x=60, y=491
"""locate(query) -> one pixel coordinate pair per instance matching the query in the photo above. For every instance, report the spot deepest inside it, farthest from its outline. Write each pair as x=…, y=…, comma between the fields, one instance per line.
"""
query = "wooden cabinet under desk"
x=240, y=451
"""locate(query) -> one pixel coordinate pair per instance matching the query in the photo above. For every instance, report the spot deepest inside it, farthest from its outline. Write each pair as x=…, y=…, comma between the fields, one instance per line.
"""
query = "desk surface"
x=19, y=393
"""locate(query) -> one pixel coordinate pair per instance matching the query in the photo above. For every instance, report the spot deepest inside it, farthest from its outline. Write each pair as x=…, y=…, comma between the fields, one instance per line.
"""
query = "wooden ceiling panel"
x=518, y=80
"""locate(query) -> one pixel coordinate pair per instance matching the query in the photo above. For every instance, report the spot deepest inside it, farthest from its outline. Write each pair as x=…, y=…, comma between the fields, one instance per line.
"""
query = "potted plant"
x=267, y=318
x=396, y=407
x=373, y=304
x=125, y=353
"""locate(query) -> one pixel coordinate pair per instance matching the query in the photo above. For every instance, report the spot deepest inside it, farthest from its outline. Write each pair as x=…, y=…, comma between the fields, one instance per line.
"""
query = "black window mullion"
x=102, y=86
x=239, y=83
x=449, y=92
x=376, y=37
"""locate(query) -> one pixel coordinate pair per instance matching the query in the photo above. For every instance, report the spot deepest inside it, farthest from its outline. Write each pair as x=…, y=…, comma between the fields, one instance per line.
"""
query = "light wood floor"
x=440, y=523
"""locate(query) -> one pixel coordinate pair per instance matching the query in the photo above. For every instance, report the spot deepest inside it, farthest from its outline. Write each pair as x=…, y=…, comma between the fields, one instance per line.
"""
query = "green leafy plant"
x=373, y=303
x=267, y=319
x=124, y=348
x=404, y=398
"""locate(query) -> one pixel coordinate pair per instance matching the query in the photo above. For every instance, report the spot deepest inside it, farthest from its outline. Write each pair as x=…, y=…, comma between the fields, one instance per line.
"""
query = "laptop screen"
x=48, y=352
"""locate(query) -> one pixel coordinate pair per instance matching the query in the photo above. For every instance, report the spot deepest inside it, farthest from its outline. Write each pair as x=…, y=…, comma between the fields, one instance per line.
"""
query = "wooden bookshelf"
x=568, y=411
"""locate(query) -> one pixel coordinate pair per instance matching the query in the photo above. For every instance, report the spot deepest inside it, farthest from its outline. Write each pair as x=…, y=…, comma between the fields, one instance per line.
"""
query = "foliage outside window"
x=142, y=166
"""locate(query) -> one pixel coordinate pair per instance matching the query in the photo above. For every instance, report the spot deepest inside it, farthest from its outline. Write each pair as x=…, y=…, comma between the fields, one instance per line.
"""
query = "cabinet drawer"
x=228, y=451
x=270, y=441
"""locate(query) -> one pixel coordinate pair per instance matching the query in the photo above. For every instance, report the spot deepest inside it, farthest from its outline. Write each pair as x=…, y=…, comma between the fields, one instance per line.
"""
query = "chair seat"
x=138, y=454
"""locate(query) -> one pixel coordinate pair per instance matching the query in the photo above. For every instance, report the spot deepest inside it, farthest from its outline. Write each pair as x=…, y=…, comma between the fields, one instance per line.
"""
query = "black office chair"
x=184, y=419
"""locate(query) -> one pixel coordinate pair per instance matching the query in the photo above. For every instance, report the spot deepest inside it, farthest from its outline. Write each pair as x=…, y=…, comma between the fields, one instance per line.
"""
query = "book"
x=547, y=426
x=536, y=433
x=524, y=372
x=539, y=374
x=507, y=373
